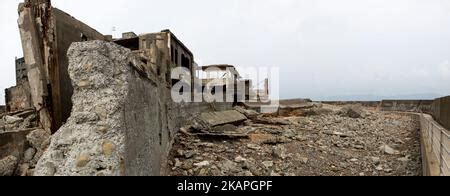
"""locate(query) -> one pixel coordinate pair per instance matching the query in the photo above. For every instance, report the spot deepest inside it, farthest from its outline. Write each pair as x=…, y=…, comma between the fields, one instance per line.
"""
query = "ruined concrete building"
x=107, y=102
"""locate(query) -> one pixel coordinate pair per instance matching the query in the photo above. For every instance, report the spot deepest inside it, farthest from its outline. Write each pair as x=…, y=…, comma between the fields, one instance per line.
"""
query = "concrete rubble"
x=216, y=124
x=22, y=143
x=333, y=143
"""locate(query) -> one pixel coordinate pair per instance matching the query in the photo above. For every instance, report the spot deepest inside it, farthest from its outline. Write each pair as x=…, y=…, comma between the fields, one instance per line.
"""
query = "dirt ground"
x=322, y=144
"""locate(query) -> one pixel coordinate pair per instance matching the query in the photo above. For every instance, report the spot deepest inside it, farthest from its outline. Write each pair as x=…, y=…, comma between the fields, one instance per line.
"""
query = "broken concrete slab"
x=248, y=113
x=213, y=119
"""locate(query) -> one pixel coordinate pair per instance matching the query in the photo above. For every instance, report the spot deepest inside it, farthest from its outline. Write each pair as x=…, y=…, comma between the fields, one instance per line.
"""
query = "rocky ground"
x=325, y=141
x=22, y=143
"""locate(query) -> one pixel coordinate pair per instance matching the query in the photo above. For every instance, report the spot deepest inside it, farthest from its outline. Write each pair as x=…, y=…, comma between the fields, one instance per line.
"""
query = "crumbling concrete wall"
x=435, y=143
x=122, y=122
x=46, y=34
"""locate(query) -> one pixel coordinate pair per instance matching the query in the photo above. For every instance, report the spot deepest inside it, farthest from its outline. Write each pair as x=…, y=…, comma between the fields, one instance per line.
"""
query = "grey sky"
x=324, y=48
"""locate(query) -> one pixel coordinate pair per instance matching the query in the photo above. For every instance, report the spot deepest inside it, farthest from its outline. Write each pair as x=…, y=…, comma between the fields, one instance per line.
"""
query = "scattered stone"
x=350, y=150
x=189, y=154
x=271, y=121
x=337, y=133
x=248, y=173
x=352, y=111
x=253, y=146
x=251, y=114
x=304, y=160
x=180, y=153
x=108, y=147
x=8, y=165
x=102, y=129
x=279, y=152
x=276, y=140
x=379, y=168
x=202, y=172
x=178, y=163
x=403, y=159
x=239, y=159
x=29, y=154
x=202, y=164
x=274, y=174
x=228, y=166
x=388, y=150
x=268, y=164
x=39, y=138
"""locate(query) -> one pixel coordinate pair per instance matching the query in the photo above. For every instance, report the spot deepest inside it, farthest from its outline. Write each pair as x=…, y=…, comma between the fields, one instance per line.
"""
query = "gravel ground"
x=327, y=144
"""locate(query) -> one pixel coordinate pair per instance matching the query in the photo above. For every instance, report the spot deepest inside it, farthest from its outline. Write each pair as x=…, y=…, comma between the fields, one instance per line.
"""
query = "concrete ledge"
x=407, y=105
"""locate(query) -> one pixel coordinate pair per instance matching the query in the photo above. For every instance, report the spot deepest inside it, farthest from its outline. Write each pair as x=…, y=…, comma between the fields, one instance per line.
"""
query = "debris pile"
x=23, y=143
x=18, y=121
x=348, y=140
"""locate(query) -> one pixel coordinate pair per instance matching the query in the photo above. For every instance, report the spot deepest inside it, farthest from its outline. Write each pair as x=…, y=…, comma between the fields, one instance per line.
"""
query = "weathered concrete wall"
x=46, y=34
x=441, y=111
x=407, y=105
x=435, y=147
x=13, y=143
x=122, y=122
x=18, y=98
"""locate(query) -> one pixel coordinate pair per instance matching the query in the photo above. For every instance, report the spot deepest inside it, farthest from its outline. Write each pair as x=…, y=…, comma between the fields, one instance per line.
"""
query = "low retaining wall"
x=419, y=106
x=363, y=103
x=435, y=147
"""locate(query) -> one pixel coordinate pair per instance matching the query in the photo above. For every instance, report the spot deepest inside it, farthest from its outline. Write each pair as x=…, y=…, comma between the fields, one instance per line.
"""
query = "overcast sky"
x=324, y=48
